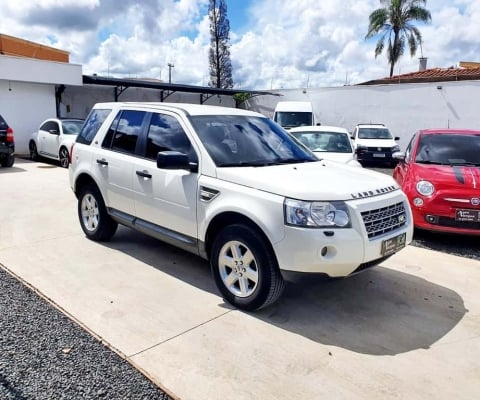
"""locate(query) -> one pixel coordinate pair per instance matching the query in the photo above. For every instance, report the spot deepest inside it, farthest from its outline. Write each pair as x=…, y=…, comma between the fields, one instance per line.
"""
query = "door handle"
x=102, y=162
x=144, y=174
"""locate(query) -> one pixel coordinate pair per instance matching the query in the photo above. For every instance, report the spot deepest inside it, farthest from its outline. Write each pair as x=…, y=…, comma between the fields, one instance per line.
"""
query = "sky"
x=274, y=44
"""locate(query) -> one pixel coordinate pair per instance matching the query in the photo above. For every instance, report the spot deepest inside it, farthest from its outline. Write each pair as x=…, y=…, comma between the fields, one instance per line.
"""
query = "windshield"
x=334, y=142
x=72, y=127
x=293, y=118
x=374, y=133
x=450, y=149
x=234, y=140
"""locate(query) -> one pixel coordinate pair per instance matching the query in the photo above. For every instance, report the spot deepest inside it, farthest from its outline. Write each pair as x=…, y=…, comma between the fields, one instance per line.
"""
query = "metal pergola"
x=166, y=89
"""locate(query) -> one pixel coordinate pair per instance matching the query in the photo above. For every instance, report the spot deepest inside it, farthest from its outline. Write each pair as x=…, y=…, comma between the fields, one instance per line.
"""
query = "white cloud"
x=282, y=45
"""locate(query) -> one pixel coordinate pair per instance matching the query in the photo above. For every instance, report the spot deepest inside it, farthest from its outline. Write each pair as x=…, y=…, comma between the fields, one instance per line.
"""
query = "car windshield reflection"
x=374, y=133
x=239, y=141
x=333, y=142
x=449, y=149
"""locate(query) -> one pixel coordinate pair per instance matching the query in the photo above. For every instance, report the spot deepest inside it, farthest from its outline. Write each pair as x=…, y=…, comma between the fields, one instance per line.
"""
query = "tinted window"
x=448, y=149
x=127, y=131
x=166, y=133
x=296, y=118
x=49, y=126
x=107, y=141
x=233, y=140
x=92, y=124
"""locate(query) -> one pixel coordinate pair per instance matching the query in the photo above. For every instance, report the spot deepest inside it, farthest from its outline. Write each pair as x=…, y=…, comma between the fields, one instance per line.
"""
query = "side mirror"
x=54, y=132
x=397, y=138
x=399, y=155
x=175, y=160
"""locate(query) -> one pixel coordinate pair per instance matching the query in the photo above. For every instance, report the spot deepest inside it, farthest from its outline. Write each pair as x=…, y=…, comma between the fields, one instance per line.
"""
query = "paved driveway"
x=408, y=329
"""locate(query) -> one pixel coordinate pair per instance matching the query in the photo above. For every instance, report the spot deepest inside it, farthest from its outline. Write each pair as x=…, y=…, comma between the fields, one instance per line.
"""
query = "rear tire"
x=33, y=151
x=245, y=269
x=8, y=161
x=92, y=213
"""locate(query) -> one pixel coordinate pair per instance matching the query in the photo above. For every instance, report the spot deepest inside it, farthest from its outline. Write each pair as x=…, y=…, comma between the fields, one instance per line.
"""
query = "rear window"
x=92, y=124
x=3, y=124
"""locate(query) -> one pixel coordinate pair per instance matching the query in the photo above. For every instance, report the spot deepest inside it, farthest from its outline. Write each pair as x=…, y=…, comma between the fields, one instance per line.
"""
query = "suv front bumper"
x=337, y=255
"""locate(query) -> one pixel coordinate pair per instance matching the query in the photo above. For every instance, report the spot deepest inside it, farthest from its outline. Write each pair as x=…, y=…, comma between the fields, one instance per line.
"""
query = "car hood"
x=321, y=180
x=447, y=176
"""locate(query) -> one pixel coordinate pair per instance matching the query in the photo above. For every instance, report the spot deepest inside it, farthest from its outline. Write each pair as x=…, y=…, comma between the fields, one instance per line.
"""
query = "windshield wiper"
x=431, y=162
x=464, y=163
x=294, y=161
x=249, y=164
x=265, y=163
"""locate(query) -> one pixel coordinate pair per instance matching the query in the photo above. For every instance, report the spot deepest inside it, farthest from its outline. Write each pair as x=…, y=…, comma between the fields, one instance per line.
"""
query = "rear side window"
x=92, y=124
x=49, y=126
x=126, y=131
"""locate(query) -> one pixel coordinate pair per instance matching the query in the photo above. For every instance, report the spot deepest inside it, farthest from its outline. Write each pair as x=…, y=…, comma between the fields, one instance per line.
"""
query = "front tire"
x=63, y=157
x=245, y=269
x=92, y=213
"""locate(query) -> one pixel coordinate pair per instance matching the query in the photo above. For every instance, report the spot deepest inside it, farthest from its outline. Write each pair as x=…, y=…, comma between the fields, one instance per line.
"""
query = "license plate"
x=392, y=245
x=467, y=215
x=379, y=155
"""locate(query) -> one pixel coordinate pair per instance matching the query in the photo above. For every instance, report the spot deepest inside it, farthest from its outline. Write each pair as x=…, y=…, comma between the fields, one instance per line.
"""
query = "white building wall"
x=25, y=106
x=39, y=71
x=27, y=93
x=404, y=108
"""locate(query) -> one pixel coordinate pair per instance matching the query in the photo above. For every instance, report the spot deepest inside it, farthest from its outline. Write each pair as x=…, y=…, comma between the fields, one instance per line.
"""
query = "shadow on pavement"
x=377, y=312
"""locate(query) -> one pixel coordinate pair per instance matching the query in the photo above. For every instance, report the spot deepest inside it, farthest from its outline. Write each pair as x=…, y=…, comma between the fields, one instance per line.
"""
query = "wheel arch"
x=82, y=180
x=225, y=219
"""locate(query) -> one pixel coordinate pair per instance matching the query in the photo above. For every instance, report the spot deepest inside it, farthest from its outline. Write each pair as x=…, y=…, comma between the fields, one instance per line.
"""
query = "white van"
x=290, y=114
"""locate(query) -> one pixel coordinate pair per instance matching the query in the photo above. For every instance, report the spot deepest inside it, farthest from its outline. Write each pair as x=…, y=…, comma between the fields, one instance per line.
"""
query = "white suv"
x=232, y=187
x=374, y=142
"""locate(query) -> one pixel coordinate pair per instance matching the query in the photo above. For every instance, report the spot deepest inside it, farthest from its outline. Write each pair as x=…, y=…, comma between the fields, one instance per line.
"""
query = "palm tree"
x=393, y=22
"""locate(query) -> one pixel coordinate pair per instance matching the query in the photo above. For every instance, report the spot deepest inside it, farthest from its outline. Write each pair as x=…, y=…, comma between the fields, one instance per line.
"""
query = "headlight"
x=316, y=214
x=395, y=148
x=425, y=188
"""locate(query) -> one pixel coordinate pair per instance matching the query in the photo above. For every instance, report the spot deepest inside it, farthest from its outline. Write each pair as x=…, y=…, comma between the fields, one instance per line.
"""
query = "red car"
x=440, y=174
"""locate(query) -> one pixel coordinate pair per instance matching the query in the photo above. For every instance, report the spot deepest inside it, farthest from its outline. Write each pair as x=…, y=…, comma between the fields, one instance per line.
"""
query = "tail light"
x=9, y=135
x=70, y=154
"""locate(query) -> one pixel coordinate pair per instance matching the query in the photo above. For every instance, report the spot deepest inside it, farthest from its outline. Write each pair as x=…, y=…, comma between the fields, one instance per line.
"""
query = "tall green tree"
x=393, y=23
x=219, y=55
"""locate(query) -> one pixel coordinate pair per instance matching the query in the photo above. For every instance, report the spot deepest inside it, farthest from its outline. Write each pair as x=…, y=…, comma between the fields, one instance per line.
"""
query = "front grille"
x=383, y=220
x=382, y=149
x=451, y=223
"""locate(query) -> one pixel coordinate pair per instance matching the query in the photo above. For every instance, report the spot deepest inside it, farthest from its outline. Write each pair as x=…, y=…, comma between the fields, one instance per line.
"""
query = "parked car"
x=327, y=142
x=440, y=174
x=54, y=138
x=374, y=143
x=7, y=144
x=233, y=187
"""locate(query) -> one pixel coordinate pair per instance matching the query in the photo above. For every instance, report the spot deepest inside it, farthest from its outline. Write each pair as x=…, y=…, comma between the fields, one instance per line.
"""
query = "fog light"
x=417, y=201
x=431, y=219
x=323, y=252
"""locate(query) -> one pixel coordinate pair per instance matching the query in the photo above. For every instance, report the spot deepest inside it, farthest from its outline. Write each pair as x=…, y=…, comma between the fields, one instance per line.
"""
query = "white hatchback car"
x=327, y=142
x=54, y=138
